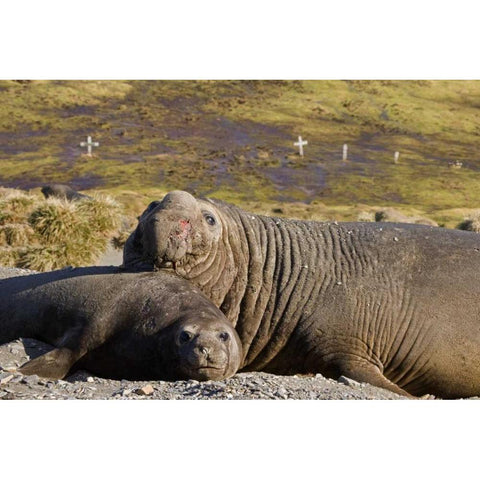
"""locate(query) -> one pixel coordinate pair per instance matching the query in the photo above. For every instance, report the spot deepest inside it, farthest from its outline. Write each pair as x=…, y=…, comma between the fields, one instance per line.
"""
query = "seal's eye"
x=185, y=337
x=224, y=336
x=210, y=219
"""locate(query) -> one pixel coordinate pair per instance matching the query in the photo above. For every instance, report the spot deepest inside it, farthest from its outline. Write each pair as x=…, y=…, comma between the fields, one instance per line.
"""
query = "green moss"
x=207, y=137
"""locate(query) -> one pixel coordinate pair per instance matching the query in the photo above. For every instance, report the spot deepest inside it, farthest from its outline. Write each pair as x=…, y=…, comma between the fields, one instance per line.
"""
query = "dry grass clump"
x=392, y=215
x=52, y=233
x=15, y=234
x=366, y=217
x=57, y=220
x=14, y=204
x=103, y=212
x=9, y=256
x=472, y=224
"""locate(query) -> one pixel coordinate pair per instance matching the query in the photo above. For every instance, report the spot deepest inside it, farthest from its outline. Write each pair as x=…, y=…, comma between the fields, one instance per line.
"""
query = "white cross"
x=89, y=144
x=300, y=145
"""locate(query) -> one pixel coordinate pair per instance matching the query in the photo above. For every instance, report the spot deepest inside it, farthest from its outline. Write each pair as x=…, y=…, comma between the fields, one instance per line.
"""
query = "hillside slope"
x=234, y=140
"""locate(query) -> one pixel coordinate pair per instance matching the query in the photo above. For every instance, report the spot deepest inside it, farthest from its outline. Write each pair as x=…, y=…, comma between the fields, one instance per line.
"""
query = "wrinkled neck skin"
x=215, y=270
x=252, y=275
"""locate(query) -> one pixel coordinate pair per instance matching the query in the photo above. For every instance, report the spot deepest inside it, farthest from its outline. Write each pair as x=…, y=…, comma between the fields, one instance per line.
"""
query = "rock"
x=282, y=393
x=145, y=390
x=5, y=378
x=10, y=368
x=430, y=397
x=90, y=379
x=348, y=381
x=31, y=379
x=7, y=396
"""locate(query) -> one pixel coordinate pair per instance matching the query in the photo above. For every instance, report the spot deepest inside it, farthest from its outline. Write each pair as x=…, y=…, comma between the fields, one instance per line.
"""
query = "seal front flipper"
x=54, y=364
x=364, y=371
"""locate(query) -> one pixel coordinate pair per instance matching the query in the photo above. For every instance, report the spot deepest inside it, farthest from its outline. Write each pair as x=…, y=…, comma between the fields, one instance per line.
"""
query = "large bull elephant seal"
x=119, y=325
x=394, y=305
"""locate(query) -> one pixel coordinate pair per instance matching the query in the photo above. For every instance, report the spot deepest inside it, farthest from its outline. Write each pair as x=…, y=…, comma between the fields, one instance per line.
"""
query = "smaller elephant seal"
x=119, y=325
x=58, y=190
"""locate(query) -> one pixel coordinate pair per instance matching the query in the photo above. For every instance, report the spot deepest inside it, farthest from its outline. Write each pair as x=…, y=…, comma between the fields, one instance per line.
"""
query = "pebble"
x=348, y=381
x=30, y=379
x=10, y=368
x=5, y=378
x=145, y=390
x=90, y=380
x=282, y=392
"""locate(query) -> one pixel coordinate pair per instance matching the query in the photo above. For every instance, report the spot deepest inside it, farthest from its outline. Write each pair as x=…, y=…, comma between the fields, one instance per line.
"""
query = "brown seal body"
x=394, y=305
x=119, y=325
x=62, y=191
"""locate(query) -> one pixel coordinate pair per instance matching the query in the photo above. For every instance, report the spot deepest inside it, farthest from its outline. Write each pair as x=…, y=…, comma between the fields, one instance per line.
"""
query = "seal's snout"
x=203, y=351
x=168, y=229
x=167, y=237
x=184, y=228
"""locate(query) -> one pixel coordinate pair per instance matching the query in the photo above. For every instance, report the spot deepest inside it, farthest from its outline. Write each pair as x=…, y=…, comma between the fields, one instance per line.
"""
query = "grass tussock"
x=472, y=223
x=12, y=234
x=45, y=234
x=14, y=204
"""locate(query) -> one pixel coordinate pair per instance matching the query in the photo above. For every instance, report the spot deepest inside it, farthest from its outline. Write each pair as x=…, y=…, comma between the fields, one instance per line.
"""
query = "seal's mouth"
x=207, y=372
x=164, y=264
x=208, y=367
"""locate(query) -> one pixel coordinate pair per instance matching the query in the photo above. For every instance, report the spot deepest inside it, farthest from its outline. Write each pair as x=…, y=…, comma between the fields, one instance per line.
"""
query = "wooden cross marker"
x=300, y=145
x=89, y=144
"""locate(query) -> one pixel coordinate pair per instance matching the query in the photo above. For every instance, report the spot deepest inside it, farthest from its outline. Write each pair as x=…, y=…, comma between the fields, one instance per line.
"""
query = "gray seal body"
x=394, y=305
x=63, y=191
x=119, y=325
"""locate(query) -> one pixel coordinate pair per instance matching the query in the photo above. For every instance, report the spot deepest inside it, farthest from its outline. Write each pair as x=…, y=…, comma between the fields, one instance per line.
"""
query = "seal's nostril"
x=204, y=350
